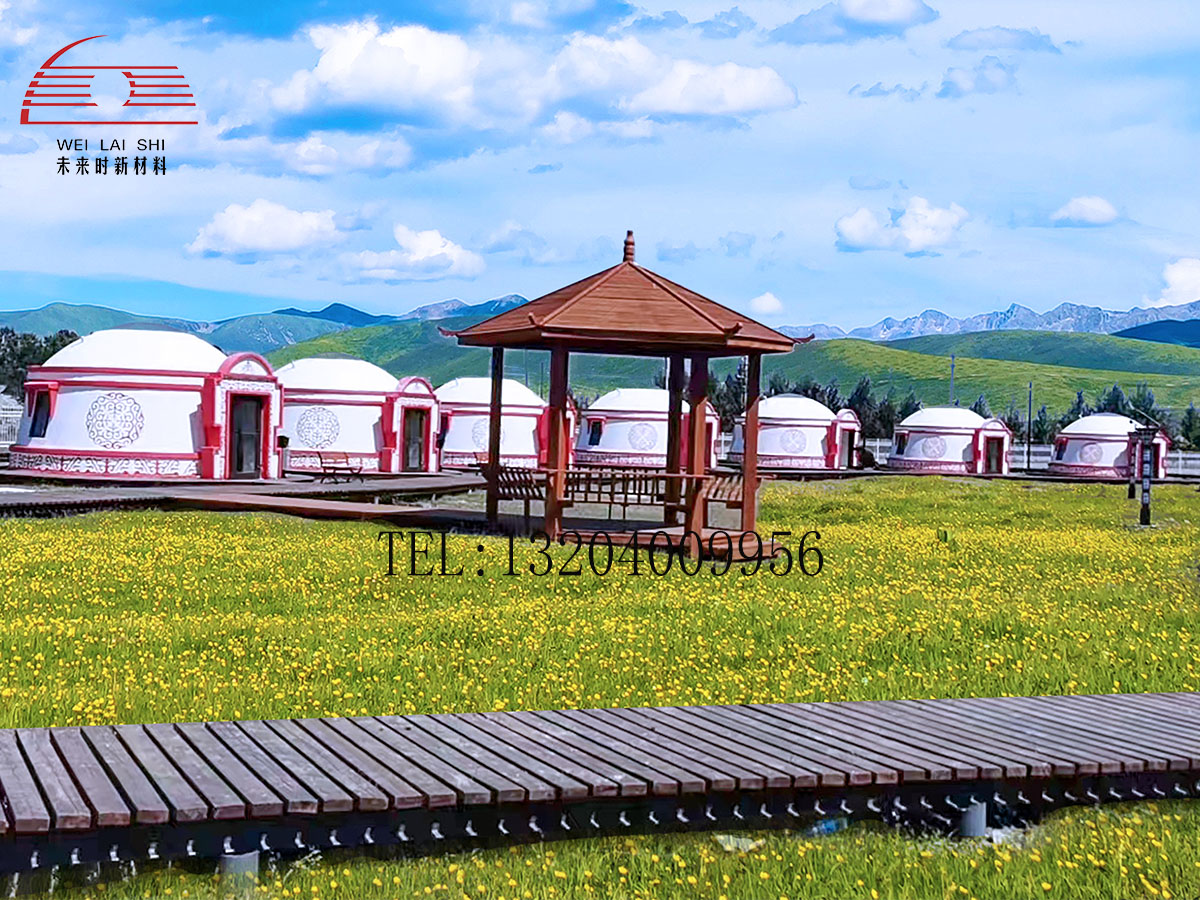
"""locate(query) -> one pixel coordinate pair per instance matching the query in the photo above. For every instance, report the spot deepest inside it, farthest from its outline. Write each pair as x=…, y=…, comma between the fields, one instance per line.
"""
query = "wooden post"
x=750, y=443
x=696, y=513
x=493, y=457
x=675, y=384
x=556, y=456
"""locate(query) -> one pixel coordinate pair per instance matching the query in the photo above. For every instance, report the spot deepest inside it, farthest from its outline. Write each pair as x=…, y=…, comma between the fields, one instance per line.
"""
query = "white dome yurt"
x=140, y=403
x=628, y=427
x=951, y=440
x=351, y=406
x=1101, y=445
x=797, y=432
x=464, y=405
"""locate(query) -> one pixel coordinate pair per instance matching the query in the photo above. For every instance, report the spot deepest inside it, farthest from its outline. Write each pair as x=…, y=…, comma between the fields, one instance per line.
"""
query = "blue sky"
x=834, y=162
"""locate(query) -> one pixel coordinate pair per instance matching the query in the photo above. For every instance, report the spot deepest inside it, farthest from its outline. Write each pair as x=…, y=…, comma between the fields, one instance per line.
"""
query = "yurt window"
x=595, y=429
x=1060, y=449
x=443, y=427
x=41, y=414
x=901, y=443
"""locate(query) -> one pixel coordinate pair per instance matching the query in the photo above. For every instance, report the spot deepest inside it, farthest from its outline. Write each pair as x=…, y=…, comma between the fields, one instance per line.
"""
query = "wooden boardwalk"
x=101, y=793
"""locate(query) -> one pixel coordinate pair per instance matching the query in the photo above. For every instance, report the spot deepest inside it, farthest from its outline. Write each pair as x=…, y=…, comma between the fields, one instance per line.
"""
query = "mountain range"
x=1064, y=317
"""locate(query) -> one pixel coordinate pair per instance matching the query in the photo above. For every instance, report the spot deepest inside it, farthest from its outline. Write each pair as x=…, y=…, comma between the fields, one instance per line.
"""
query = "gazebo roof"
x=627, y=309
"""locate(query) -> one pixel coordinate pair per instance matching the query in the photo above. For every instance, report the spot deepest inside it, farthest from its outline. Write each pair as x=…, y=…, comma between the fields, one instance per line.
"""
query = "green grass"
x=1062, y=348
x=156, y=616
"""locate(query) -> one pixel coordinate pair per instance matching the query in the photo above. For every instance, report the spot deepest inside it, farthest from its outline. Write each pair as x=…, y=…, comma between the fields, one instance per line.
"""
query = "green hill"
x=1061, y=348
x=417, y=348
x=80, y=318
x=262, y=333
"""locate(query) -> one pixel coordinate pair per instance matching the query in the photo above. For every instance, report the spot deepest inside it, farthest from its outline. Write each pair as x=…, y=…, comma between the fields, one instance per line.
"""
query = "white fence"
x=10, y=421
x=1179, y=462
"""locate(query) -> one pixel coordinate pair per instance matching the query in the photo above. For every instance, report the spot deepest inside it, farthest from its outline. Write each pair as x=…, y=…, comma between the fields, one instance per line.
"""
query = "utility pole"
x=1029, y=429
x=952, y=379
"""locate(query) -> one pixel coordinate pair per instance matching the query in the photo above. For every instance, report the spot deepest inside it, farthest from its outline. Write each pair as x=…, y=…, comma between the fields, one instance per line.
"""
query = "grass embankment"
x=137, y=617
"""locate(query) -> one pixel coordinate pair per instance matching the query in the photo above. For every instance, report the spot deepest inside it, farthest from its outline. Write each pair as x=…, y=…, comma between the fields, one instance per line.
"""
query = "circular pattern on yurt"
x=114, y=420
x=317, y=427
x=933, y=447
x=1090, y=453
x=793, y=441
x=479, y=433
x=642, y=436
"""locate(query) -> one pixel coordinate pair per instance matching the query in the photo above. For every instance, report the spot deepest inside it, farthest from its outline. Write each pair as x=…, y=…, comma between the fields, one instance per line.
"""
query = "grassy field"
x=152, y=616
x=997, y=364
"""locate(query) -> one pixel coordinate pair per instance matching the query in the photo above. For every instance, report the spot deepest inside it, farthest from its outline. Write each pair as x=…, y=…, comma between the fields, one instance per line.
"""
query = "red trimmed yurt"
x=628, y=428
x=351, y=406
x=797, y=432
x=1101, y=446
x=140, y=403
x=464, y=405
x=951, y=440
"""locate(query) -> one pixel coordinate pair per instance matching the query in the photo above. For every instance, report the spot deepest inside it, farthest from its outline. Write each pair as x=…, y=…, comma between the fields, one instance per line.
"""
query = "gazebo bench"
x=514, y=483
x=337, y=465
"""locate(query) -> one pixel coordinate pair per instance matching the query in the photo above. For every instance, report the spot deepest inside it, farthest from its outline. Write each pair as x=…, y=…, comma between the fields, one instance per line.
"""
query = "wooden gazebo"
x=629, y=310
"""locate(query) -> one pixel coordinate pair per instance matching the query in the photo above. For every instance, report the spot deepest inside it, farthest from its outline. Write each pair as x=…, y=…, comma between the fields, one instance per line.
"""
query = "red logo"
x=56, y=88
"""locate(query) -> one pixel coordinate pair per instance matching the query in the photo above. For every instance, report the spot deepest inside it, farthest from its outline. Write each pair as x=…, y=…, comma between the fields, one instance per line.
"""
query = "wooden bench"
x=337, y=466
x=513, y=483
x=727, y=489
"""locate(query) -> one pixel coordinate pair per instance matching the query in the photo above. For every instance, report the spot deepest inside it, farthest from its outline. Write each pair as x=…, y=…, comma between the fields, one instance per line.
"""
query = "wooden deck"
x=101, y=793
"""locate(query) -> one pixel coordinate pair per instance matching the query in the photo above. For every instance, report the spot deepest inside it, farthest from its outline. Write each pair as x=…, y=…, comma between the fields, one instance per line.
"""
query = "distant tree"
x=1014, y=420
x=1113, y=401
x=1044, y=428
x=980, y=407
x=910, y=405
x=729, y=396
x=885, y=416
x=1078, y=410
x=865, y=407
x=777, y=384
x=1189, y=427
x=1142, y=401
x=19, y=351
x=831, y=396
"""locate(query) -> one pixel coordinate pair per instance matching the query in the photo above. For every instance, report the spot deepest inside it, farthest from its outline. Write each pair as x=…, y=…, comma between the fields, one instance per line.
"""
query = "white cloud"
x=11, y=34
x=989, y=77
x=1182, y=279
x=692, y=88
x=848, y=21
x=264, y=227
x=889, y=13
x=1085, y=211
x=513, y=237
x=406, y=68
x=316, y=156
x=423, y=256
x=567, y=128
x=1000, y=38
x=766, y=305
x=919, y=228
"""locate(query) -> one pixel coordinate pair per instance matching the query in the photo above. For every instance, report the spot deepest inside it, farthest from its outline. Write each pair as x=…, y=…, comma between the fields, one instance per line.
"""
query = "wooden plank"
x=22, y=799
x=259, y=799
x=692, y=779
x=473, y=784
x=836, y=763
x=98, y=789
x=500, y=788
x=1154, y=756
x=140, y=795
x=1162, y=707
x=602, y=773
x=330, y=797
x=539, y=728
x=186, y=805
x=582, y=769
x=761, y=746
x=1111, y=751
x=751, y=775
x=1040, y=762
x=879, y=721
x=399, y=792
x=1090, y=759
x=536, y=762
x=223, y=801
x=68, y=811
x=296, y=798
x=366, y=795
x=1144, y=722
x=435, y=792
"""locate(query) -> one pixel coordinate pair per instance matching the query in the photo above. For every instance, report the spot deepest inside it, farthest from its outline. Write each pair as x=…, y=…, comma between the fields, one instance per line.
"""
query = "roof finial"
x=629, y=246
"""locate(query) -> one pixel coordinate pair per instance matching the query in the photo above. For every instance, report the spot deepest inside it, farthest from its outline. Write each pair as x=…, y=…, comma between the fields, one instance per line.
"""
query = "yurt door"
x=992, y=463
x=246, y=451
x=846, y=450
x=415, y=431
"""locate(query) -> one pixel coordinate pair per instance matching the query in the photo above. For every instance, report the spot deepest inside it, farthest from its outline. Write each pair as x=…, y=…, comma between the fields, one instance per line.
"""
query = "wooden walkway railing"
x=101, y=793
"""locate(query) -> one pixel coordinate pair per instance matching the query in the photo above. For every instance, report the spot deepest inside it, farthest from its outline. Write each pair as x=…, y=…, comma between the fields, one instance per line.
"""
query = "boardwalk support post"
x=239, y=869
x=973, y=820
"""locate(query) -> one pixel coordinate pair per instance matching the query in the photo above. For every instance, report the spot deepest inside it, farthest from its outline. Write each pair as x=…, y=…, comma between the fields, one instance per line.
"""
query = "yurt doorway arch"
x=248, y=429
x=414, y=435
x=993, y=455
